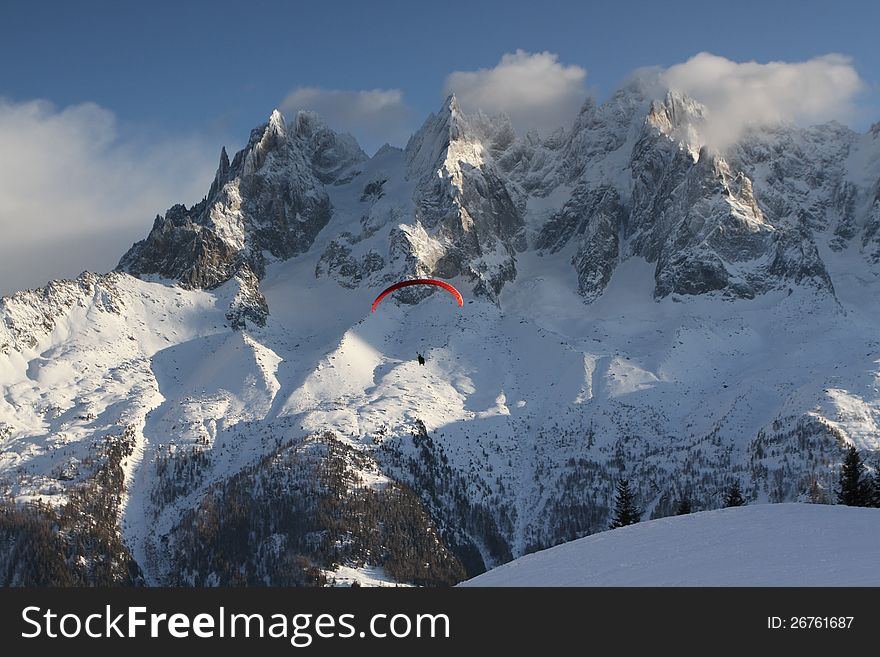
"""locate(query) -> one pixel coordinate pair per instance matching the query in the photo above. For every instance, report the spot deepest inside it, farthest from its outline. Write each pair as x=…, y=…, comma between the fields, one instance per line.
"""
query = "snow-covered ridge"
x=632, y=177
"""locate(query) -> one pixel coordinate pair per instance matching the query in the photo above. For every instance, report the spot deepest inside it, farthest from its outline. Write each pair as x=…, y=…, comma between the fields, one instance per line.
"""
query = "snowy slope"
x=762, y=545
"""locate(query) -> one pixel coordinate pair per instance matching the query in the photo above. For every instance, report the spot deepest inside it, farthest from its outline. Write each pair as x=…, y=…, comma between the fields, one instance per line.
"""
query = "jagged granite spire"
x=268, y=200
x=222, y=174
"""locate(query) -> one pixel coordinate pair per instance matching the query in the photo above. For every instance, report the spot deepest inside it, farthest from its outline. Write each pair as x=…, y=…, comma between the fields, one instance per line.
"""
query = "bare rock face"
x=350, y=271
x=334, y=157
x=181, y=248
x=593, y=216
x=697, y=215
x=248, y=304
x=269, y=199
x=466, y=219
x=871, y=238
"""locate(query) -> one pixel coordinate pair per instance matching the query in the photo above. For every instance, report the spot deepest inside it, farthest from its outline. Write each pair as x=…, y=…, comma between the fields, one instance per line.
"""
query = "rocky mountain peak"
x=450, y=106
x=631, y=177
x=679, y=118
x=334, y=156
x=273, y=137
x=222, y=175
x=307, y=123
x=269, y=200
x=466, y=221
x=224, y=160
x=276, y=122
x=427, y=149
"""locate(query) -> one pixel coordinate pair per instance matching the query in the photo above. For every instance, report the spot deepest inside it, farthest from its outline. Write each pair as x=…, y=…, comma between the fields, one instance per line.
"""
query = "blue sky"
x=110, y=112
x=220, y=67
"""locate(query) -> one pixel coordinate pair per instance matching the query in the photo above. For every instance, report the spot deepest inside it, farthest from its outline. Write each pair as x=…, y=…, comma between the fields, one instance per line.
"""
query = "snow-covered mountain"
x=636, y=302
x=760, y=545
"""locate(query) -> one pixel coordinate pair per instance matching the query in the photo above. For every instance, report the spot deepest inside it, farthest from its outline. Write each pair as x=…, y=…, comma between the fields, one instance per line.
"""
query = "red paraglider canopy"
x=420, y=281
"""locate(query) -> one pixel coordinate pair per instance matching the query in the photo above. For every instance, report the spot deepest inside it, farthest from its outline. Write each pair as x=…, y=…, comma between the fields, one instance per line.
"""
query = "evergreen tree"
x=873, y=489
x=872, y=486
x=684, y=506
x=625, y=510
x=855, y=489
x=733, y=496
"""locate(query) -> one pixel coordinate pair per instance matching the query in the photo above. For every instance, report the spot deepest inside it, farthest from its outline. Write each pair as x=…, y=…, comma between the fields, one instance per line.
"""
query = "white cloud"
x=739, y=94
x=75, y=193
x=373, y=116
x=534, y=89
